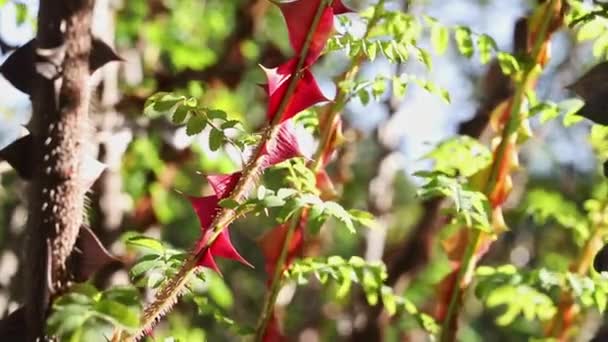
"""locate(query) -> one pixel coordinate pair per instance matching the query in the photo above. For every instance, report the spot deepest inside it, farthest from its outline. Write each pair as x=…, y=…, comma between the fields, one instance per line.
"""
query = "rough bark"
x=59, y=120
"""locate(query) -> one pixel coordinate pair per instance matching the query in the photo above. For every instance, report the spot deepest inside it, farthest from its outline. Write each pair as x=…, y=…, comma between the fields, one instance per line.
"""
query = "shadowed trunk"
x=60, y=106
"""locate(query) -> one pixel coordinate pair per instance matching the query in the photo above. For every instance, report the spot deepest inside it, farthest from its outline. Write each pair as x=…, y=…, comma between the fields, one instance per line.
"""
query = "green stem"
x=448, y=329
x=276, y=282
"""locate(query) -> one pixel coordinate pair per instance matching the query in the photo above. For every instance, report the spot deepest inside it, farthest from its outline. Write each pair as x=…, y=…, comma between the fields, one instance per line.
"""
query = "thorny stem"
x=509, y=132
x=169, y=293
x=330, y=116
x=276, y=281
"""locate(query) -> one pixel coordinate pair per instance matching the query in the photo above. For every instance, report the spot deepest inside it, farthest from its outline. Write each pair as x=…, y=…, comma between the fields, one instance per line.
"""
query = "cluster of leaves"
x=537, y=291
x=370, y=275
x=549, y=110
x=365, y=90
x=455, y=160
x=398, y=33
x=84, y=312
x=545, y=206
x=174, y=32
x=205, y=288
x=289, y=201
x=590, y=23
x=471, y=207
x=157, y=263
x=182, y=109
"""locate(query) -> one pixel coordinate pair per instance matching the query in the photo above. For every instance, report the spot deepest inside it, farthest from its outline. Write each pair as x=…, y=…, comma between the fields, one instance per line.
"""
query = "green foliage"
x=157, y=262
x=537, y=292
x=548, y=110
x=288, y=201
x=461, y=155
x=365, y=90
x=397, y=34
x=182, y=109
x=82, y=313
x=590, y=24
x=470, y=207
x=545, y=206
x=455, y=159
x=174, y=30
x=598, y=137
x=369, y=275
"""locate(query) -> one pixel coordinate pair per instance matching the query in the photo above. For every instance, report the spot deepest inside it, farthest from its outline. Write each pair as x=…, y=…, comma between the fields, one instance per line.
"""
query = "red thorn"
x=284, y=146
x=208, y=261
x=223, y=184
x=306, y=94
x=340, y=8
x=206, y=208
x=222, y=246
x=299, y=16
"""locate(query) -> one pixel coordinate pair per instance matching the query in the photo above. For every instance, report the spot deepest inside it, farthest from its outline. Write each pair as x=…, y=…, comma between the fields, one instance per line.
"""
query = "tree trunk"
x=59, y=120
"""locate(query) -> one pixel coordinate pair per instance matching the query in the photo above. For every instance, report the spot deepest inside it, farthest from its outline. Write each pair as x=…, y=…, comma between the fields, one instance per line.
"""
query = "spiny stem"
x=509, y=134
x=276, y=282
x=169, y=292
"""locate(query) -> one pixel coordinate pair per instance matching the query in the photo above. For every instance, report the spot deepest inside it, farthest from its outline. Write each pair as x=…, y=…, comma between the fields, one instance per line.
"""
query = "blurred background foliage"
x=210, y=50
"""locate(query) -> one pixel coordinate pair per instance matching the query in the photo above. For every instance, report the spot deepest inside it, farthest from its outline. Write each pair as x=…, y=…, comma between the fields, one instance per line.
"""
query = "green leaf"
x=346, y=283
x=144, y=265
x=230, y=124
x=217, y=114
x=462, y=155
x=508, y=64
x=21, y=13
x=364, y=218
x=196, y=124
x=425, y=58
x=370, y=50
x=216, y=139
x=486, y=45
x=167, y=101
x=118, y=313
x=64, y=323
x=286, y=192
x=378, y=87
x=590, y=30
x=337, y=211
x=363, y=96
x=388, y=299
x=440, y=37
x=464, y=42
x=180, y=114
x=147, y=243
x=399, y=86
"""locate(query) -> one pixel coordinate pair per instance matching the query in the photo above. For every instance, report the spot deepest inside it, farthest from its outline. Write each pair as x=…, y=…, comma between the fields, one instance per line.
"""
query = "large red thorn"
x=306, y=94
x=223, y=184
x=205, y=208
x=299, y=16
x=284, y=146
